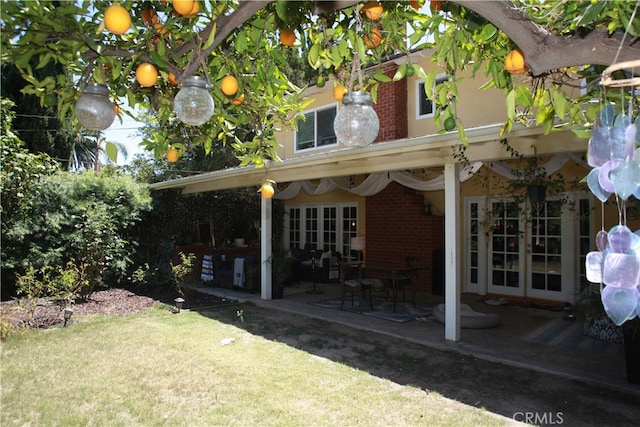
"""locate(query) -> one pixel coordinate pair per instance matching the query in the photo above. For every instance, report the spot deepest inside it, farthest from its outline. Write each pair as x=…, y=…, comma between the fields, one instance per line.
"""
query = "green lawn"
x=156, y=368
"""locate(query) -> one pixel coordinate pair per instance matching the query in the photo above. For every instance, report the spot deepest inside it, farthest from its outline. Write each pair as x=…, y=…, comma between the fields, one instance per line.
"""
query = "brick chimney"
x=391, y=107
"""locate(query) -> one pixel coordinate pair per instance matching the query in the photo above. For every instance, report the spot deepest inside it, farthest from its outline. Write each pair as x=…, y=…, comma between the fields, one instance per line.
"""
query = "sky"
x=125, y=133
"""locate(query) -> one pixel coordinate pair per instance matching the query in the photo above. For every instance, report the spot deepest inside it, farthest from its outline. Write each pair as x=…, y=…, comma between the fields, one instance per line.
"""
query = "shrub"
x=51, y=288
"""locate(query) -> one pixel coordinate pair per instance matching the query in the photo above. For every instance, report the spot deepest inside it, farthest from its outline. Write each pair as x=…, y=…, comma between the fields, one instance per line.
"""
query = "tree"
x=36, y=122
x=564, y=43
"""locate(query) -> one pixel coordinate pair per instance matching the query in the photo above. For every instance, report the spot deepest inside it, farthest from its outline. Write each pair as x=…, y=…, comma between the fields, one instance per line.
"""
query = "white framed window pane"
x=305, y=135
x=326, y=134
x=425, y=107
x=317, y=129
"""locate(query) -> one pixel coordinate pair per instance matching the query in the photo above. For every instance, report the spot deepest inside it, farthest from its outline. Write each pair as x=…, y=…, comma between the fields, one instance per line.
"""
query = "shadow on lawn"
x=502, y=389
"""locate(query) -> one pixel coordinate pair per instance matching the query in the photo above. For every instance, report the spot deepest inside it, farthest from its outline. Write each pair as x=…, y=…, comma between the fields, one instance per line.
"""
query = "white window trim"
x=439, y=79
x=315, y=130
x=339, y=218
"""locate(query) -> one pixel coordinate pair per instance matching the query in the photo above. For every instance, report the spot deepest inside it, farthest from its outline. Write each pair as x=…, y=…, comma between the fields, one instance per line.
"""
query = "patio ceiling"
x=405, y=154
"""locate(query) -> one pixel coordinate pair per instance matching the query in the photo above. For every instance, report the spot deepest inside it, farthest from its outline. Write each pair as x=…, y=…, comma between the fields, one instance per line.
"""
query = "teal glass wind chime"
x=614, y=155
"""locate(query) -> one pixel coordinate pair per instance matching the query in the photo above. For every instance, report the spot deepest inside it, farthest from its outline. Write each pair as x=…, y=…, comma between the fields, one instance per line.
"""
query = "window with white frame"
x=329, y=226
x=425, y=107
x=316, y=130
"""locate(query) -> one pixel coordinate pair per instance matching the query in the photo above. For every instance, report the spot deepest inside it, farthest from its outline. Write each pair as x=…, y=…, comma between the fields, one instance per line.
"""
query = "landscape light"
x=67, y=315
x=179, y=301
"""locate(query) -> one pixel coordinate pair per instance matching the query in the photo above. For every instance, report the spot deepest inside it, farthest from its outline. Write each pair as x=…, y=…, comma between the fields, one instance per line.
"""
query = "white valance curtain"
x=376, y=182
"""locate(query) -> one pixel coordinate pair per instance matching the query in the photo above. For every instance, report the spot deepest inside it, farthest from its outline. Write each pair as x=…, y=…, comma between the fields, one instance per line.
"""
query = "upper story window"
x=317, y=129
x=426, y=107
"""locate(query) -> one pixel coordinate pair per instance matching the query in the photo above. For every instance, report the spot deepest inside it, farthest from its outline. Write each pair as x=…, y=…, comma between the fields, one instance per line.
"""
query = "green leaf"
x=158, y=60
x=211, y=37
x=560, y=103
x=112, y=151
x=314, y=55
x=429, y=83
x=591, y=13
x=523, y=96
x=400, y=72
x=44, y=60
x=488, y=32
x=511, y=104
x=582, y=133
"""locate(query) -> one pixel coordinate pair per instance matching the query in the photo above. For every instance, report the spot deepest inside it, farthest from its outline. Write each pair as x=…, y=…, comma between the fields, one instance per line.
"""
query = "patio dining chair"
x=351, y=281
x=404, y=279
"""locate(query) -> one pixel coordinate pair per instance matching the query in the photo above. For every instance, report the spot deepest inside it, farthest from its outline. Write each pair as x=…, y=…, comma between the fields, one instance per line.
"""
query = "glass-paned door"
x=541, y=256
x=559, y=239
x=545, y=245
x=311, y=227
x=329, y=228
x=349, y=229
x=506, y=253
x=585, y=242
x=475, y=246
x=295, y=226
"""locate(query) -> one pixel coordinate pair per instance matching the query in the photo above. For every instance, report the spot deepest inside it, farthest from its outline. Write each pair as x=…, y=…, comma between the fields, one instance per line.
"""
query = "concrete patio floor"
x=588, y=360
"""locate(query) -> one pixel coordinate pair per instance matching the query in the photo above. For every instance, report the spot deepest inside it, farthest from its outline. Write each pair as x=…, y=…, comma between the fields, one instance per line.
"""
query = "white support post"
x=452, y=250
x=266, y=250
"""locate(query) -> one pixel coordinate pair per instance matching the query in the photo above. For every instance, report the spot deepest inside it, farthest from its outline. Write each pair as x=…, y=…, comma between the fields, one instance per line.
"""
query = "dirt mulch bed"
x=114, y=301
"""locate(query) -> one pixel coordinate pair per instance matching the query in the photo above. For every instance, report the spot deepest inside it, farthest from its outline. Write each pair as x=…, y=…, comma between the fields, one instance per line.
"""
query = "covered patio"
x=411, y=153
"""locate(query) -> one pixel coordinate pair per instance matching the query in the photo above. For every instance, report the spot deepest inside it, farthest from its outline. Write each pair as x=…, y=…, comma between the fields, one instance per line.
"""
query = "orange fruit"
x=372, y=39
x=339, y=92
x=117, y=19
x=194, y=11
x=436, y=6
x=229, y=85
x=172, y=154
x=116, y=108
x=373, y=10
x=267, y=191
x=172, y=79
x=239, y=100
x=183, y=7
x=287, y=37
x=514, y=62
x=146, y=74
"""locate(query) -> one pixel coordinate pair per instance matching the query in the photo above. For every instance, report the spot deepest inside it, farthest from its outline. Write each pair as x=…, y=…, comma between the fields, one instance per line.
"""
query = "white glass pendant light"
x=193, y=104
x=94, y=109
x=356, y=123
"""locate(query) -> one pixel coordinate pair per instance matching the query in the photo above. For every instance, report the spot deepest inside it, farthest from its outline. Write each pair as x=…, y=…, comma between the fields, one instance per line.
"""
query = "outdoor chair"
x=404, y=279
x=351, y=281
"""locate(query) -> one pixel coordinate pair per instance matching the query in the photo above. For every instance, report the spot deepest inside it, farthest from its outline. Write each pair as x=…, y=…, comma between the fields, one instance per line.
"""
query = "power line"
x=60, y=130
x=37, y=116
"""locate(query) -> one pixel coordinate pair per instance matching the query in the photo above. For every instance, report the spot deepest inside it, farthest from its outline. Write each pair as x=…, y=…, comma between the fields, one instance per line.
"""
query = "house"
x=409, y=195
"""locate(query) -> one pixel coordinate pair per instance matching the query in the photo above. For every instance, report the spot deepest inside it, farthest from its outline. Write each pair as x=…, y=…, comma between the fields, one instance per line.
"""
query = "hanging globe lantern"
x=356, y=123
x=193, y=103
x=94, y=109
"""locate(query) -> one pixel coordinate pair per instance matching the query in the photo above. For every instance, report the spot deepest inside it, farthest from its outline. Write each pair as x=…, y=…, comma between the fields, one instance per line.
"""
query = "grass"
x=156, y=368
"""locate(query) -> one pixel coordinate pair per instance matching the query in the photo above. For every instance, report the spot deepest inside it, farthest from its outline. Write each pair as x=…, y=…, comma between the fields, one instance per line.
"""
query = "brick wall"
x=391, y=107
x=398, y=226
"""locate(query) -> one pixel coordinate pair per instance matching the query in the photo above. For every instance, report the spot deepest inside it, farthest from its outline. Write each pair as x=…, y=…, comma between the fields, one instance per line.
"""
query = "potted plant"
x=533, y=177
x=281, y=270
x=596, y=322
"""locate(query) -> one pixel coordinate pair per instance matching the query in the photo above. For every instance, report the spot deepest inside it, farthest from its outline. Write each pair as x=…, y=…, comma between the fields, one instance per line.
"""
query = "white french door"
x=538, y=257
x=506, y=255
